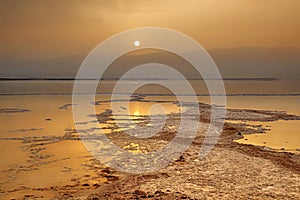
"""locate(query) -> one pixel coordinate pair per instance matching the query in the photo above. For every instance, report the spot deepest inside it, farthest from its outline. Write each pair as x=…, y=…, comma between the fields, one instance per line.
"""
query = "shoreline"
x=258, y=171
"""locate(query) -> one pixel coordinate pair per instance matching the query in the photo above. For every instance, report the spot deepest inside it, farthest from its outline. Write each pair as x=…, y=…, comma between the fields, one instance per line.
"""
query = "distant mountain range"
x=281, y=63
x=235, y=63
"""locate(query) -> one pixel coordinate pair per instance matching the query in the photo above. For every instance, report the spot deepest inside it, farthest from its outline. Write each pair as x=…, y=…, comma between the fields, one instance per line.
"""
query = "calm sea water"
x=232, y=87
x=44, y=97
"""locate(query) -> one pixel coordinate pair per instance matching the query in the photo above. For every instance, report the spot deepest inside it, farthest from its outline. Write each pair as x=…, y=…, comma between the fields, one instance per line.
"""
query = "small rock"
x=184, y=197
x=106, y=171
x=180, y=159
x=139, y=192
x=96, y=185
x=111, y=177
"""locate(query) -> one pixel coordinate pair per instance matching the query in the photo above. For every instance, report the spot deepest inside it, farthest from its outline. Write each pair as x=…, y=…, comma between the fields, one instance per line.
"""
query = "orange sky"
x=44, y=29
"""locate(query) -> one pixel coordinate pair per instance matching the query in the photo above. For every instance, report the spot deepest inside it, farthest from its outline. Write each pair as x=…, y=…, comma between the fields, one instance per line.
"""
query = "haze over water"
x=276, y=95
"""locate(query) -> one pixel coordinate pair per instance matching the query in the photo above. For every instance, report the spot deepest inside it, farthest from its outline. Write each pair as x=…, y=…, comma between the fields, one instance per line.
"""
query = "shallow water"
x=44, y=98
x=283, y=135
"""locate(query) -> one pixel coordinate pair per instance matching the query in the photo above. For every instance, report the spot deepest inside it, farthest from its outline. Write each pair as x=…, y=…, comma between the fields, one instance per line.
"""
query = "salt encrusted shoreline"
x=230, y=171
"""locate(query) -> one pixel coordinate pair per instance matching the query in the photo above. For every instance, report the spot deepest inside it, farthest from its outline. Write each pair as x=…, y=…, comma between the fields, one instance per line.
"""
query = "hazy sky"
x=44, y=29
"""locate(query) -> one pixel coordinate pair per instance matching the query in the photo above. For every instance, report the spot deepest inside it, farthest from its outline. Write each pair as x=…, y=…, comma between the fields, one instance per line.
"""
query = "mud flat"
x=37, y=165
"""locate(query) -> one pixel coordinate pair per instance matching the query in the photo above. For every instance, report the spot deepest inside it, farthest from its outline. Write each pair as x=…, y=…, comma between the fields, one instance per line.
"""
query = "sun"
x=137, y=43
